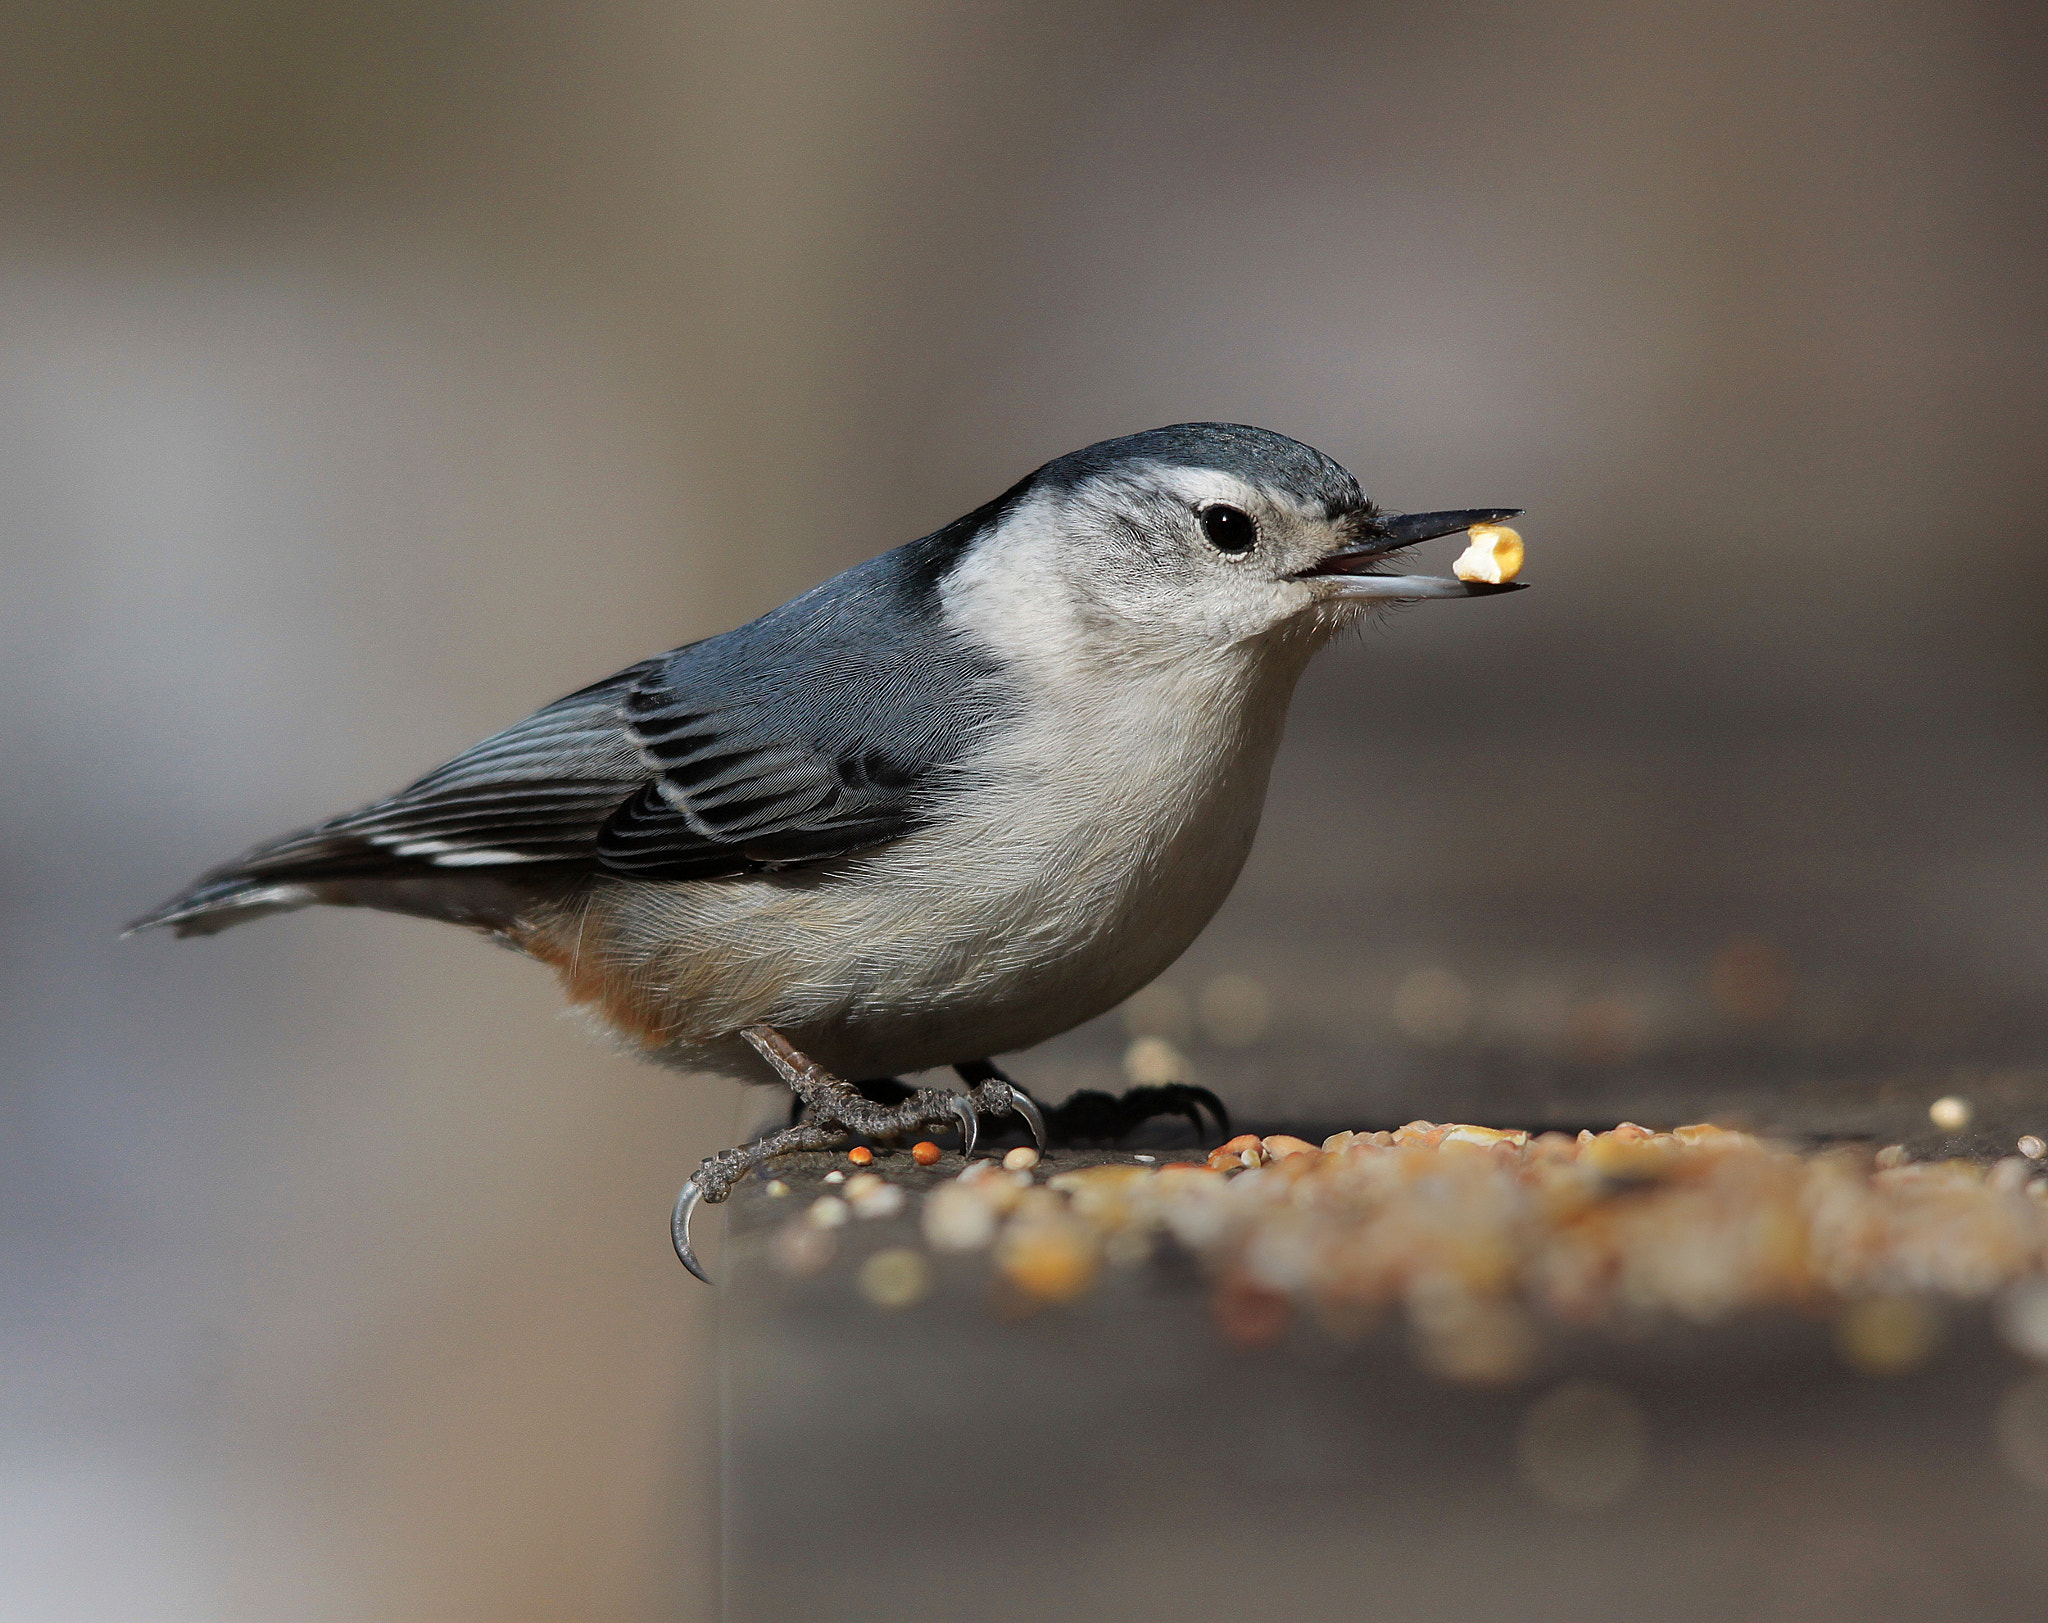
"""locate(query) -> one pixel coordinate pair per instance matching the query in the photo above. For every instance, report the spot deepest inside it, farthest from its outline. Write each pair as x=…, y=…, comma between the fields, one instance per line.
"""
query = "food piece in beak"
x=1349, y=571
x=1493, y=558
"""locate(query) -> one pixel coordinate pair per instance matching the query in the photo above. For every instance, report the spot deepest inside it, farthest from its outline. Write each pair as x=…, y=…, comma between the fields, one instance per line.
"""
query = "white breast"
x=1091, y=840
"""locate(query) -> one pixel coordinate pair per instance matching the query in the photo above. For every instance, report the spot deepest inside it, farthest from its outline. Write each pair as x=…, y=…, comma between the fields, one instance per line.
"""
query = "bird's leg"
x=833, y=1107
x=878, y=1090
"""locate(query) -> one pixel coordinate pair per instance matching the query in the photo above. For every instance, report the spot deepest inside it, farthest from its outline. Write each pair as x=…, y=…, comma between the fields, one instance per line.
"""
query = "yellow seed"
x=1950, y=1114
x=1494, y=556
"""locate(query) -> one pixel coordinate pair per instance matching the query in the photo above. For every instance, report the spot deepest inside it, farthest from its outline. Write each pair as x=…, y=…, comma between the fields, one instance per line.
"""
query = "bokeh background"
x=373, y=374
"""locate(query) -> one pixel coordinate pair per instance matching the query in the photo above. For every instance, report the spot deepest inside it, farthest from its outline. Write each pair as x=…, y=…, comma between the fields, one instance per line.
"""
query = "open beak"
x=1352, y=565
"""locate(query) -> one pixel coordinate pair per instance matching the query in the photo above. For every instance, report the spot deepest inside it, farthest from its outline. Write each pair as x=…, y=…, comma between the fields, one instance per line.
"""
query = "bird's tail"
x=213, y=904
x=276, y=877
x=331, y=866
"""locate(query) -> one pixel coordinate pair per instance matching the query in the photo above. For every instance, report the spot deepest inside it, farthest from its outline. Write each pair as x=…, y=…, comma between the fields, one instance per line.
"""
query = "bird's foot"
x=1089, y=1117
x=833, y=1108
x=1096, y=1117
x=1092, y=1116
x=713, y=1180
x=827, y=1100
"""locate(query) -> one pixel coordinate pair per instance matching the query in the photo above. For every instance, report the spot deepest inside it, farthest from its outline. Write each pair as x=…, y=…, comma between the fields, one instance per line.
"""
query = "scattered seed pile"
x=1481, y=1239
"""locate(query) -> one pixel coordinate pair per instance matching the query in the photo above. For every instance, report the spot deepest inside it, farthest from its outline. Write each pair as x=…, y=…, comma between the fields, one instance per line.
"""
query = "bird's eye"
x=1229, y=529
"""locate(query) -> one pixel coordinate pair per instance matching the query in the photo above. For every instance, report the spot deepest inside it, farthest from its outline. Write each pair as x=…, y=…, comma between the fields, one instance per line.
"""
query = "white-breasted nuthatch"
x=950, y=803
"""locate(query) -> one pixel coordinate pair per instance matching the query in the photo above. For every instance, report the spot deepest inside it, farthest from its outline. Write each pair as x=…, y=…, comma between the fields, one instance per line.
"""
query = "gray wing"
x=813, y=732
x=739, y=789
x=817, y=730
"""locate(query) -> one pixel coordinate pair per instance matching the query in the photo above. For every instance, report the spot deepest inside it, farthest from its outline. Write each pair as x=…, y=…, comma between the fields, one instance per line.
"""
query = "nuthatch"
x=949, y=804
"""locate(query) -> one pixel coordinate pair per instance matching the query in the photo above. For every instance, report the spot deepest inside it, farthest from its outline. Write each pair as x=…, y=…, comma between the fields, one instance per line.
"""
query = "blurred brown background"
x=372, y=374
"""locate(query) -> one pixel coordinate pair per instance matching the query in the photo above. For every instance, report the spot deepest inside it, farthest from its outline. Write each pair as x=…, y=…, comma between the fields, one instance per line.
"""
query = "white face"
x=1181, y=556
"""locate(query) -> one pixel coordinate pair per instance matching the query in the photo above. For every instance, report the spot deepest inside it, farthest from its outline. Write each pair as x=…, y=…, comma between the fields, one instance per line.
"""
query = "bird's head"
x=1210, y=535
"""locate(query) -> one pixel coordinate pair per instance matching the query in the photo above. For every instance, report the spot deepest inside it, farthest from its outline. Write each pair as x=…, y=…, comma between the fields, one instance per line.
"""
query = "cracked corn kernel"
x=1494, y=556
x=1022, y=1159
x=924, y=1152
x=1278, y=1146
x=1950, y=1114
x=860, y=1155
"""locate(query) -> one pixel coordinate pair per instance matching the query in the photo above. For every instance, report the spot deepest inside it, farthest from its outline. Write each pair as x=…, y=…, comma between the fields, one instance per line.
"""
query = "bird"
x=950, y=803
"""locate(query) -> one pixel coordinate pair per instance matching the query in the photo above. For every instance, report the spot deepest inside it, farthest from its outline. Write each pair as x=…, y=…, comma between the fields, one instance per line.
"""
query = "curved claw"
x=679, y=1228
x=1027, y=1107
x=970, y=1124
x=1202, y=1096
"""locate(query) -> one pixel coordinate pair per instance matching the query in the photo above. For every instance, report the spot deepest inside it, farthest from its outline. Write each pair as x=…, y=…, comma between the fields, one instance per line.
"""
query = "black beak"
x=1405, y=529
x=1390, y=532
